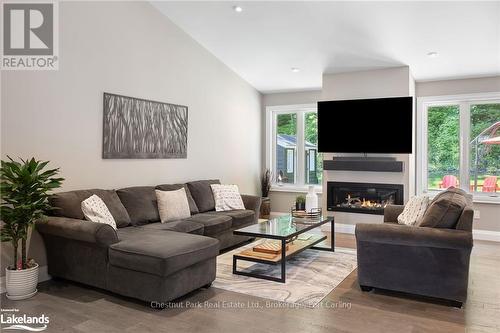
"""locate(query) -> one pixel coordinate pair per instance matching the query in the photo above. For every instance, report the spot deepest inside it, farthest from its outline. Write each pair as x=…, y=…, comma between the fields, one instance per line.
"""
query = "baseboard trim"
x=486, y=235
x=477, y=234
x=43, y=275
x=340, y=228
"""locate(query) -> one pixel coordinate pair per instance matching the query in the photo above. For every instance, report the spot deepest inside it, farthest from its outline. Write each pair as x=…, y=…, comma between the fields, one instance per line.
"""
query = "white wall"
x=290, y=98
x=130, y=48
x=456, y=87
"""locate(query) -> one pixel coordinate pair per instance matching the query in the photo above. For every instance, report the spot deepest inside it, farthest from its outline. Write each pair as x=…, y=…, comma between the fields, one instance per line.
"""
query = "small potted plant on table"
x=24, y=189
x=300, y=203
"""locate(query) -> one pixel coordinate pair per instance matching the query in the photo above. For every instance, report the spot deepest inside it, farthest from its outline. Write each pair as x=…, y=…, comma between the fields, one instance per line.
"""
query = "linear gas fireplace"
x=366, y=198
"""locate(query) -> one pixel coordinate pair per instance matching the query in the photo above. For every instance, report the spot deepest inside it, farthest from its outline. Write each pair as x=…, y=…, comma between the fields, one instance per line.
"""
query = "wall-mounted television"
x=379, y=125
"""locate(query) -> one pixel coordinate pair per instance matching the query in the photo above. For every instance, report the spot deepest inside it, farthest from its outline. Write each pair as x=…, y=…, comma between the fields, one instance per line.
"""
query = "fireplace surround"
x=365, y=198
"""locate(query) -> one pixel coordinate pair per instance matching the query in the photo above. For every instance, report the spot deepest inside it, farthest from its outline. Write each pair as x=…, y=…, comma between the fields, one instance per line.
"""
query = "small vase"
x=311, y=199
x=21, y=283
x=265, y=208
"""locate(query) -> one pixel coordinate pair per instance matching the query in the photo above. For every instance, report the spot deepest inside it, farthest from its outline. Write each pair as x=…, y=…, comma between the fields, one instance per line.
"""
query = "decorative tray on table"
x=312, y=214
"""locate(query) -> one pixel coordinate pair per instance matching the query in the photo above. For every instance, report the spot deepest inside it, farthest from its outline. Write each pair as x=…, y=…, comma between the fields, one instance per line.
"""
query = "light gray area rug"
x=310, y=275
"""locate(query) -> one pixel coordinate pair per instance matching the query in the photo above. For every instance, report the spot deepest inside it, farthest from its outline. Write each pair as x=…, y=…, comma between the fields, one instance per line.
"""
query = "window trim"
x=463, y=101
x=271, y=113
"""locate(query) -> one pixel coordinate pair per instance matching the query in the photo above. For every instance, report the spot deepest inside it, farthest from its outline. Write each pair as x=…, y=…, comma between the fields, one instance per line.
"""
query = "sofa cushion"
x=172, y=205
x=445, y=210
x=140, y=202
x=202, y=194
x=172, y=187
x=227, y=197
x=95, y=210
x=161, y=253
x=414, y=210
x=180, y=226
x=213, y=224
x=240, y=218
x=69, y=204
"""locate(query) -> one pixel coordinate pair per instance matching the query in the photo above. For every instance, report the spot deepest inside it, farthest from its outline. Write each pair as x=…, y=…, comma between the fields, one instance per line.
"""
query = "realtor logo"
x=30, y=39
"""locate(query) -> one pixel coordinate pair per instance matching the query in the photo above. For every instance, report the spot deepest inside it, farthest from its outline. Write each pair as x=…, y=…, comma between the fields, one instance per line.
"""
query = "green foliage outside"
x=286, y=124
x=443, y=142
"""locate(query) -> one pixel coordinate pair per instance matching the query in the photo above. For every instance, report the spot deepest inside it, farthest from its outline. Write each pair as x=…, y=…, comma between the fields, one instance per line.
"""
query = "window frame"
x=300, y=177
x=464, y=102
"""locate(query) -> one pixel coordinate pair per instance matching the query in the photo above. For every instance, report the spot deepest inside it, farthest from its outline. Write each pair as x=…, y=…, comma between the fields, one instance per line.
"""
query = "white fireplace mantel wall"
x=391, y=82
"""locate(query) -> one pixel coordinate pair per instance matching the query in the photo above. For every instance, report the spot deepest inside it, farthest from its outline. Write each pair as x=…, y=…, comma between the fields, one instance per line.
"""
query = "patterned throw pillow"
x=173, y=205
x=414, y=210
x=95, y=210
x=227, y=197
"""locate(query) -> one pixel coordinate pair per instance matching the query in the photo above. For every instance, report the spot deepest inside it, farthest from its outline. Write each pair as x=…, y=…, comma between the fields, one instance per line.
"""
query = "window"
x=292, y=152
x=484, y=160
x=443, y=142
x=459, y=144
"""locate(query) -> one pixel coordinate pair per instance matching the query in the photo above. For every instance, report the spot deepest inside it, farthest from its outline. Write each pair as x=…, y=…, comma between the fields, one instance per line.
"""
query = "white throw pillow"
x=95, y=210
x=173, y=205
x=227, y=197
x=414, y=210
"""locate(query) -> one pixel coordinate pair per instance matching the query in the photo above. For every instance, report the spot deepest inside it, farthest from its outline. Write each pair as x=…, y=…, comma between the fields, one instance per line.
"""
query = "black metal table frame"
x=283, y=240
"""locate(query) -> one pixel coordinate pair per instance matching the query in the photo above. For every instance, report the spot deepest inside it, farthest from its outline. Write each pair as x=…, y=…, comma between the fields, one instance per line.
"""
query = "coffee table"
x=289, y=231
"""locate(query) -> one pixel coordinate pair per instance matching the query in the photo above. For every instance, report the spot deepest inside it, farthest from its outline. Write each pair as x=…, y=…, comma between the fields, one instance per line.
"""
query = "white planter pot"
x=21, y=284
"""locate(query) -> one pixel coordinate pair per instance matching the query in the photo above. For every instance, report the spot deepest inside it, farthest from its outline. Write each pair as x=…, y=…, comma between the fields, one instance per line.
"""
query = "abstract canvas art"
x=139, y=128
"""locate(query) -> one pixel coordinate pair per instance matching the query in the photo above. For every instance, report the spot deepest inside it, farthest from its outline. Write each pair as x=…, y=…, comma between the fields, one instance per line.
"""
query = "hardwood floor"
x=76, y=308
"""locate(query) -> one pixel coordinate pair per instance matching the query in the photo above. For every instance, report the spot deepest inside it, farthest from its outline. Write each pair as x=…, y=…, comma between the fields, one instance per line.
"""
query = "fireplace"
x=366, y=198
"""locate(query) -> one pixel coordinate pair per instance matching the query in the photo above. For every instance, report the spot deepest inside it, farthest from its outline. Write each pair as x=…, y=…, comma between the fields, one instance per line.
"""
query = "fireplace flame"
x=369, y=204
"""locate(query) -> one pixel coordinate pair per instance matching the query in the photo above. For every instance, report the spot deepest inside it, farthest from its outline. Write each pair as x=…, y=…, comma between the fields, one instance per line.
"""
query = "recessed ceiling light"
x=432, y=54
x=295, y=69
x=237, y=9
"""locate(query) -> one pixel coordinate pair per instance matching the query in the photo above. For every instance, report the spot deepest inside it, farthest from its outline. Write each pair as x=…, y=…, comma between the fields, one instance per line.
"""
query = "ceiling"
x=265, y=40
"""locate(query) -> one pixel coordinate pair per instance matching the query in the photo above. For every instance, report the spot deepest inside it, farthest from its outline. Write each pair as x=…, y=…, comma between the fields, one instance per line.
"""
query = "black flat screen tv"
x=380, y=125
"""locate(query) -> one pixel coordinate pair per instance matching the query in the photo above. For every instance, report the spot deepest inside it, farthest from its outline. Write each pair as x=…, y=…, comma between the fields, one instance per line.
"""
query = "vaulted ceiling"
x=266, y=40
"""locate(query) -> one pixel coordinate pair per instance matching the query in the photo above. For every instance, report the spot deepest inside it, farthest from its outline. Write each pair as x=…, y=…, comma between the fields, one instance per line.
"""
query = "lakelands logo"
x=30, y=36
x=10, y=319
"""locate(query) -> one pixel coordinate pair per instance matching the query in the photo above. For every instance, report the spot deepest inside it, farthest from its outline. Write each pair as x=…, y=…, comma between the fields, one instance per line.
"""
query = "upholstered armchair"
x=426, y=261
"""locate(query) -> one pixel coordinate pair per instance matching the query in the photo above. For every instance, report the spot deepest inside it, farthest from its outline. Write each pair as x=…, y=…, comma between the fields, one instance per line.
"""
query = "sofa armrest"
x=80, y=230
x=252, y=202
x=391, y=212
x=396, y=234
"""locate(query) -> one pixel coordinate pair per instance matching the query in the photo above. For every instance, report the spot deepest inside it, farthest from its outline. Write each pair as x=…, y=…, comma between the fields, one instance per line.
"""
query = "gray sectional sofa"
x=143, y=258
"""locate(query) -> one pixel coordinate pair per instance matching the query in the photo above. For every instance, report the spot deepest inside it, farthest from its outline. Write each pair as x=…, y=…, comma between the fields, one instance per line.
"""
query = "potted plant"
x=24, y=189
x=265, y=184
x=300, y=203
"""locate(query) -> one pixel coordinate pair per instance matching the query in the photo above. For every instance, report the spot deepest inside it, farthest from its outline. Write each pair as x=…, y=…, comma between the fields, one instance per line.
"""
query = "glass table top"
x=284, y=226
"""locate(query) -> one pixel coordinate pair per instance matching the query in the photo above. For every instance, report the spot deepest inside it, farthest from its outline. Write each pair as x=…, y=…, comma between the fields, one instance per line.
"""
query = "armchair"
x=432, y=262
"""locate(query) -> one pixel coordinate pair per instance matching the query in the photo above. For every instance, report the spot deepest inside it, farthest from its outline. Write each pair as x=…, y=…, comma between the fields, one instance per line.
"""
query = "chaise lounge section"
x=143, y=258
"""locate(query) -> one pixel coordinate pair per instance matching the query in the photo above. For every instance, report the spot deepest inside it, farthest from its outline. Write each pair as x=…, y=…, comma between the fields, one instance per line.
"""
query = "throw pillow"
x=414, y=210
x=172, y=205
x=445, y=210
x=95, y=210
x=173, y=187
x=227, y=197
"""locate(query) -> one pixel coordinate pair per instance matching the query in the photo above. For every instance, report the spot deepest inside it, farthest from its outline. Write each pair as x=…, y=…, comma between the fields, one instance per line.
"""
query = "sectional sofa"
x=143, y=258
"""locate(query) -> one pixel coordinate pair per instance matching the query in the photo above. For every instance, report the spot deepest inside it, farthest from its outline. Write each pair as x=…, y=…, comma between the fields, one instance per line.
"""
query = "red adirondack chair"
x=490, y=184
x=448, y=181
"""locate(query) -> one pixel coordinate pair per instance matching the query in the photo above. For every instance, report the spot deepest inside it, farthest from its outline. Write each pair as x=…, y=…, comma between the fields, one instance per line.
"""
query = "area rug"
x=310, y=276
